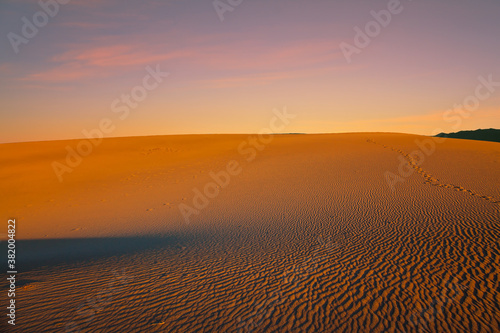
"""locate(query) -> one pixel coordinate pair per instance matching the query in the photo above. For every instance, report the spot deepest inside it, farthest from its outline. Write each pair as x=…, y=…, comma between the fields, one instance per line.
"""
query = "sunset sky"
x=227, y=76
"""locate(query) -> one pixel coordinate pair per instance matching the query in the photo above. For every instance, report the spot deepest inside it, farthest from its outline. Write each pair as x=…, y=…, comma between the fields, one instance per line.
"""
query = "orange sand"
x=307, y=237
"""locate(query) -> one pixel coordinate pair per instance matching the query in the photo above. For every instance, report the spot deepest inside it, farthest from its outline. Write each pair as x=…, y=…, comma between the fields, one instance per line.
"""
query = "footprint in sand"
x=434, y=181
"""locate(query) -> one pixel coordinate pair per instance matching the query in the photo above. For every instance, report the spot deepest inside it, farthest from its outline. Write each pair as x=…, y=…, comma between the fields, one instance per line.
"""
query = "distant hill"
x=490, y=134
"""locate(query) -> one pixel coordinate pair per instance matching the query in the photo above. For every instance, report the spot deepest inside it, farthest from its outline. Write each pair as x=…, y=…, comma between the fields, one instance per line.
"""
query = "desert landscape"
x=232, y=166
x=308, y=236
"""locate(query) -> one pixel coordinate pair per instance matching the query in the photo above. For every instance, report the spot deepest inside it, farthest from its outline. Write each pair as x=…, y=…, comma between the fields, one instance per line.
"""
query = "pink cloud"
x=116, y=56
x=83, y=25
x=66, y=72
x=99, y=62
x=265, y=78
x=236, y=81
x=6, y=68
x=253, y=62
x=255, y=55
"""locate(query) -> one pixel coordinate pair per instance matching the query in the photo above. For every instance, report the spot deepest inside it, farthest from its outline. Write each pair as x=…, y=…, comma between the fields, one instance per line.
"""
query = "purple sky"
x=228, y=76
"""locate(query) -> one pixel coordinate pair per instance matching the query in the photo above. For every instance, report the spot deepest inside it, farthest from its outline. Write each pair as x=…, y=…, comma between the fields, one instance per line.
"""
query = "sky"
x=336, y=65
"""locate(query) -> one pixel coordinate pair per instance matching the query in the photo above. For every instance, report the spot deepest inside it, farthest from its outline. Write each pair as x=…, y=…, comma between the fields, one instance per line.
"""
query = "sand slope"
x=308, y=237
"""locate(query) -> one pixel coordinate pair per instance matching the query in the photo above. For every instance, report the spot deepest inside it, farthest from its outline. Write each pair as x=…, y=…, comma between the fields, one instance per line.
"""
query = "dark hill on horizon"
x=490, y=134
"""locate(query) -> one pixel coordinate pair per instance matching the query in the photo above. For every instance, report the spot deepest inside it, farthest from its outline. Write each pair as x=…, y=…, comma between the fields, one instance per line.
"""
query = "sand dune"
x=308, y=236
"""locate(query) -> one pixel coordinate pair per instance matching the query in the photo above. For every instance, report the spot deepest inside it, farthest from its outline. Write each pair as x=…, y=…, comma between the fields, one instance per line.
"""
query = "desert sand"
x=308, y=236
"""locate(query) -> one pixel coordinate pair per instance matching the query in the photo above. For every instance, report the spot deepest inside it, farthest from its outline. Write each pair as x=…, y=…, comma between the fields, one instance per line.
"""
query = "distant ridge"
x=490, y=134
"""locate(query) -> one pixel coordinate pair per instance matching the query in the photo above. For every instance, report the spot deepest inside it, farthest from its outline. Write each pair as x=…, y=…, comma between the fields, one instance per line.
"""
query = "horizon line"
x=214, y=134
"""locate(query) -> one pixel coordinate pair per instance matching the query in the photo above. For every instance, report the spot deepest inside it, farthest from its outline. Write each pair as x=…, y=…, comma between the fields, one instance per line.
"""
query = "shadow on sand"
x=32, y=254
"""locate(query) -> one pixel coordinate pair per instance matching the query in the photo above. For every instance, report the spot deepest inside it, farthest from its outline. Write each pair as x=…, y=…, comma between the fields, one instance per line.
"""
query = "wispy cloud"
x=264, y=78
x=83, y=25
x=6, y=68
x=63, y=73
x=264, y=64
x=246, y=80
x=116, y=56
x=250, y=55
x=99, y=61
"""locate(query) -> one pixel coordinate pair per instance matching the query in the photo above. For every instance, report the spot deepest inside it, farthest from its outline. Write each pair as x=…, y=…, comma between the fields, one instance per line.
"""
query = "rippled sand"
x=309, y=236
